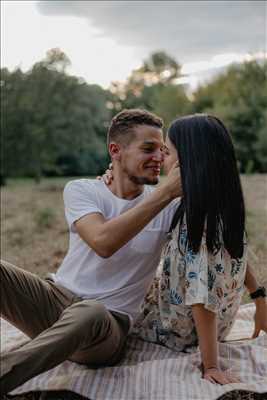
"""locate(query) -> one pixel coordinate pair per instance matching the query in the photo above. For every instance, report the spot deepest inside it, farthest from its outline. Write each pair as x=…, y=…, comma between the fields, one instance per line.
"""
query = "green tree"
x=12, y=119
x=239, y=98
x=154, y=87
x=52, y=123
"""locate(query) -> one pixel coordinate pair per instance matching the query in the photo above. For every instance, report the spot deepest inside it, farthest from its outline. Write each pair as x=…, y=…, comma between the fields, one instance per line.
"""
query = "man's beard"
x=141, y=180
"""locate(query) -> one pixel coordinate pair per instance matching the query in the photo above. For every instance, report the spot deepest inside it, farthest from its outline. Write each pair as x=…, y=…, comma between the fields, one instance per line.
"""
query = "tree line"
x=54, y=124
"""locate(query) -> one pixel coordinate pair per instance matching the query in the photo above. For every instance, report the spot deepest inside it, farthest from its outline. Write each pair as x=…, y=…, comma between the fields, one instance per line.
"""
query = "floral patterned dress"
x=214, y=280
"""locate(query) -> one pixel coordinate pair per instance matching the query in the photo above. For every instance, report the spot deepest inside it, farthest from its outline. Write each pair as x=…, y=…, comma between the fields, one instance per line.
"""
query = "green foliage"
x=170, y=102
x=153, y=87
x=239, y=98
x=54, y=124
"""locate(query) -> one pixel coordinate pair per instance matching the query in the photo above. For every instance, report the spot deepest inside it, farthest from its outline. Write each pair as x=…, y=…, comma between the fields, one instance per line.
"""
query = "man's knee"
x=9, y=276
x=5, y=269
x=3, y=265
x=90, y=317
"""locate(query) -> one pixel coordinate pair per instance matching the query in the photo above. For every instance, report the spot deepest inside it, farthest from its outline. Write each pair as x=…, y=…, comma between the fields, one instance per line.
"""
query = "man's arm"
x=260, y=316
x=105, y=237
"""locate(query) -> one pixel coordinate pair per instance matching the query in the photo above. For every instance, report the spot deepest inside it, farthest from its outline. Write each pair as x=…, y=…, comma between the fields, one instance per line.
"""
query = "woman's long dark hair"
x=212, y=192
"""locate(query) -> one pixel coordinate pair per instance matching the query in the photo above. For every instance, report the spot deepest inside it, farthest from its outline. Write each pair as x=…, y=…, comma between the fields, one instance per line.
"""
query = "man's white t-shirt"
x=119, y=282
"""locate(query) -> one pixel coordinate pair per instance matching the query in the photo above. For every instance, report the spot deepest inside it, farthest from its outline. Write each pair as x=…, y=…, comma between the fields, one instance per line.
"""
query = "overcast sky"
x=105, y=40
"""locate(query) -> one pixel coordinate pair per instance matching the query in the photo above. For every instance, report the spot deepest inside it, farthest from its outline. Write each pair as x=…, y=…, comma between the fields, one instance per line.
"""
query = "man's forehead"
x=148, y=135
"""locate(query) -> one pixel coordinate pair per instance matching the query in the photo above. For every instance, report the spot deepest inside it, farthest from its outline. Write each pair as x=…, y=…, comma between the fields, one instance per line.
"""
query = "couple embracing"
x=120, y=228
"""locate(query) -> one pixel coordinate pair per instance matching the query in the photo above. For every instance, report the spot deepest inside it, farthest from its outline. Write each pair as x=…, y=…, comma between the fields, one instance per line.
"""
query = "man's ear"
x=115, y=151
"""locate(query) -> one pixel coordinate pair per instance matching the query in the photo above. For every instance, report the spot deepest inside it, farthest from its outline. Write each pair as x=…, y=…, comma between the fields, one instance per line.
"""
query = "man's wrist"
x=166, y=194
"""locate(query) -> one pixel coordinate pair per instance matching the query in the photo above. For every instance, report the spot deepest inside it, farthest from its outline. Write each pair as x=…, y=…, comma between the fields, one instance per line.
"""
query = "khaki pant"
x=61, y=325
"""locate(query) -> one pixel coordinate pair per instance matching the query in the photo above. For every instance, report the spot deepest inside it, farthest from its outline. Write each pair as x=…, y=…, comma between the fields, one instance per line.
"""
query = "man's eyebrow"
x=149, y=143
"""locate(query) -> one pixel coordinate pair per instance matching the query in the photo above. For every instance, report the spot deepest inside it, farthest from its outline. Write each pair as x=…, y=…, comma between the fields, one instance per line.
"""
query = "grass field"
x=34, y=236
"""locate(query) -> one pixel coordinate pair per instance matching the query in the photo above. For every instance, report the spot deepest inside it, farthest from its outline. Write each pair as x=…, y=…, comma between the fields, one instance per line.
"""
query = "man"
x=116, y=234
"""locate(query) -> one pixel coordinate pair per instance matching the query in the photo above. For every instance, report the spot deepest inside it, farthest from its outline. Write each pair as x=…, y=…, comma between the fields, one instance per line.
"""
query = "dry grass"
x=34, y=231
x=35, y=234
x=255, y=191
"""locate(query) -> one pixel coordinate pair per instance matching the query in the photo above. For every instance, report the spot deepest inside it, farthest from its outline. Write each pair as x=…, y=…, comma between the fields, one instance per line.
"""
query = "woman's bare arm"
x=260, y=316
x=206, y=326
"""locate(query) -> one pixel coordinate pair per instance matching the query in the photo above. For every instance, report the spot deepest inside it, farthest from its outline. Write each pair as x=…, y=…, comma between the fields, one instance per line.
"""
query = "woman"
x=197, y=295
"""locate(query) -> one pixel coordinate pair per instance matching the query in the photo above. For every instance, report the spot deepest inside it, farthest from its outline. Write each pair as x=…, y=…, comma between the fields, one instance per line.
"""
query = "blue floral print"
x=190, y=257
x=192, y=275
x=211, y=279
x=186, y=278
x=175, y=298
x=219, y=268
x=166, y=265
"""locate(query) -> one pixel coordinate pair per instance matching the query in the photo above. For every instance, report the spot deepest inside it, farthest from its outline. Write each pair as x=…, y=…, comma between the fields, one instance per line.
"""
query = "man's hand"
x=173, y=183
x=215, y=375
x=260, y=317
x=98, y=232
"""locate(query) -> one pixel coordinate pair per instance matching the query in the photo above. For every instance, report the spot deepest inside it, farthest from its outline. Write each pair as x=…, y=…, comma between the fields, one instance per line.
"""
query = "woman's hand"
x=107, y=177
x=260, y=316
x=215, y=375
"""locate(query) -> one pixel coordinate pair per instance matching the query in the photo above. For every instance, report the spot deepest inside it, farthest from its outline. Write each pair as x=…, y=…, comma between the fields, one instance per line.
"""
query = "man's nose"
x=158, y=156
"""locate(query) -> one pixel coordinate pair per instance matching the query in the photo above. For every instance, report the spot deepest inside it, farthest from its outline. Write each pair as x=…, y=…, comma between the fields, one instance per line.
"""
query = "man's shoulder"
x=81, y=188
x=83, y=183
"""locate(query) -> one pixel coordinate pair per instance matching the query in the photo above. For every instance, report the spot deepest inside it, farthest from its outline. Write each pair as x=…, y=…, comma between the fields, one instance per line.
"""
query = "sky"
x=106, y=40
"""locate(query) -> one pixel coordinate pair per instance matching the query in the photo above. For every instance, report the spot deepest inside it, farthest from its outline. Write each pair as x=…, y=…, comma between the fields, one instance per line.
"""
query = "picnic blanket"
x=153, y=372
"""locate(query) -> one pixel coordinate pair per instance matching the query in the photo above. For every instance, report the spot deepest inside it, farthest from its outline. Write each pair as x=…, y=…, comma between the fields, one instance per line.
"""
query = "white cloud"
x=106, y=40
x=189, y=30
x=201, y=71
x=27, y=35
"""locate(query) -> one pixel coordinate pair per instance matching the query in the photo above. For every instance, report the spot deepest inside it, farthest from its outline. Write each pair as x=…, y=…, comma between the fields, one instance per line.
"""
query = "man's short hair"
x=122, y=125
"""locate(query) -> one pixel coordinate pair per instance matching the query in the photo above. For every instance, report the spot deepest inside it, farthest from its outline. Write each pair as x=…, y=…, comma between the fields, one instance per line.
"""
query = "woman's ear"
x=115, y=151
